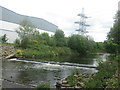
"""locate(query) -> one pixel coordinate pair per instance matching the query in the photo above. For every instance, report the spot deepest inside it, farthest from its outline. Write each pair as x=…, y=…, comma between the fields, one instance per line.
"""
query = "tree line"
x=29, y=34
x=112, y=44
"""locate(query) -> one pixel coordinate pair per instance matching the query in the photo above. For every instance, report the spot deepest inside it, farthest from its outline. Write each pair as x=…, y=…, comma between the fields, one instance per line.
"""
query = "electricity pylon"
x=82, y=23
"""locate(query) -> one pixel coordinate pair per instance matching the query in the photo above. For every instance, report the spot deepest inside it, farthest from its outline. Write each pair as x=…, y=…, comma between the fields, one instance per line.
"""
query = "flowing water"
x=35, y=72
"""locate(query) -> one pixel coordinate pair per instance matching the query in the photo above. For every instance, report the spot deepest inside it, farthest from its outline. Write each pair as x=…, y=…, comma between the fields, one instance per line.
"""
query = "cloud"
x=63, y=13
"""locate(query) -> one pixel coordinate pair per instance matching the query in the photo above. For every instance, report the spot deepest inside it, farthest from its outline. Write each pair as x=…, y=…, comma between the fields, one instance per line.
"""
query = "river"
x=34, y=72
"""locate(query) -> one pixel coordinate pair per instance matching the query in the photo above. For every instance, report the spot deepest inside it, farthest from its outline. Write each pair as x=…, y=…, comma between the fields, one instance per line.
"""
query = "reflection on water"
x=29, y=72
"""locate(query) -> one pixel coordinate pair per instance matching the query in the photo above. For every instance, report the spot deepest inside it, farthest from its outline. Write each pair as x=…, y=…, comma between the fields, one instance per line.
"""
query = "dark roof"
x=10, y=16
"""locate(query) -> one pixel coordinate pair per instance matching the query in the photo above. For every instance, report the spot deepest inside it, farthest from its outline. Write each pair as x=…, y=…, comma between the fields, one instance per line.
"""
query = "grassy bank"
x=44, y=51
x=106, y=77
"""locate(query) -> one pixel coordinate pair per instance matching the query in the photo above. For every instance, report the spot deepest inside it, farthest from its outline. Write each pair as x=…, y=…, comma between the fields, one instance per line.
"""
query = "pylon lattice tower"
x=82, y=23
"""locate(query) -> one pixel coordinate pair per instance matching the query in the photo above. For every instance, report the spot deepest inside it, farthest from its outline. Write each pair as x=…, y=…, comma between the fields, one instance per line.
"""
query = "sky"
x=63, y=13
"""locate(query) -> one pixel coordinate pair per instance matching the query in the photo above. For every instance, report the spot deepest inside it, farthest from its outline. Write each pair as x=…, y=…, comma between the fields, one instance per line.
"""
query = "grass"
x=45, y=51
x=106, y=77
x=43, y=86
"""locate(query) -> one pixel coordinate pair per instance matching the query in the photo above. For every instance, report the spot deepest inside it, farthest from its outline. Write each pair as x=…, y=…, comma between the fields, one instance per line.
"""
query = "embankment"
x=6, y=51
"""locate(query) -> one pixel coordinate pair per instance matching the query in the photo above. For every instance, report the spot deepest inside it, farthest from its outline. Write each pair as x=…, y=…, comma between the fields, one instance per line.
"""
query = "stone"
x=75, y=75
x=77, y=87
x=81, y=84
x=65, y=85
x=64, y=82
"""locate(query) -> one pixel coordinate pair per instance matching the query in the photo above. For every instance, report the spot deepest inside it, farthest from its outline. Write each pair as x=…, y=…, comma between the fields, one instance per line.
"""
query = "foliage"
x=110, y=46
x=52, y=41
x=26, y=29
x=60, y=38
x=114, y=34
x=59, y=34
x=44, y=51
x=27, y=32
x=72, y=81
x=43, y=85
x=81, y=43
x=17, y=42
x=25, y=42
x=106, y=72
x=100, y=46
x=19, y=52
x=3, y=39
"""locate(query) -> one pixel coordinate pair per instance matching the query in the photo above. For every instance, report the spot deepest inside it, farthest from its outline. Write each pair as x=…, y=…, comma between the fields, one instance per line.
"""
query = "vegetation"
x=35, y=45
x=44, y=51
x=43, y=86
x=104, y=78
x=3, y=39
x=113, y=42
x=82, y=44
x=108, y=71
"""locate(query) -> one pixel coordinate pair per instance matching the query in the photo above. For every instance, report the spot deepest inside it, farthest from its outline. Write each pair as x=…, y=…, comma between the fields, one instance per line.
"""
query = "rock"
x=64, y=82
x=76, y=76
x=58, y=78
x=77, y=87
x=58, y=85
x=81, y=84
x=65, y=85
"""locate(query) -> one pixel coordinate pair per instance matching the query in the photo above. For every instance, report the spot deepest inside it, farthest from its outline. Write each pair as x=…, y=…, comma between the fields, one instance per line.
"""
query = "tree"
x=60, y=38
x=3, y=39
x=114, y=34
x=27, y=33
x=59, y=34
x=27, y=29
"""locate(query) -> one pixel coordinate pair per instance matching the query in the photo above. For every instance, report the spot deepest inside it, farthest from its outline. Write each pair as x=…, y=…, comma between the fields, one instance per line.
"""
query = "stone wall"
x=6, y=50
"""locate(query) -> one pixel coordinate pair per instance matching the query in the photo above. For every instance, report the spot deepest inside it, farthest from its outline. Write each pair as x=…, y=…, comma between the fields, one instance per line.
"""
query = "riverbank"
x=107, y=77
x=42, y=51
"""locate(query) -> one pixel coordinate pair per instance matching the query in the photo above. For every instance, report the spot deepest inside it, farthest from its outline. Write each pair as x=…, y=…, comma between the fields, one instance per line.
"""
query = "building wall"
x=9, y=22
x=10, y=30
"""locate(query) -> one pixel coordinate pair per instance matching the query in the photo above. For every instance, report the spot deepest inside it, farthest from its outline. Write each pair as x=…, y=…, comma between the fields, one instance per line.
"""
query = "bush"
x=3, y=39
x=19, y=52
x=17, y=42
x=25, y=42
x=43, y=85
x=103, y=77
x=72, y=81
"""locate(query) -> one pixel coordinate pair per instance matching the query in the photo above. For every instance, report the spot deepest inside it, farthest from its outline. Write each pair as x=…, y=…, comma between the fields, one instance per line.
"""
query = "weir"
x=55, y=63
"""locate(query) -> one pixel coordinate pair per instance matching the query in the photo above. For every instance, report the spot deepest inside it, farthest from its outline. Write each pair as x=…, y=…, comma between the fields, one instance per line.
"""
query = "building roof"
x=10, y=16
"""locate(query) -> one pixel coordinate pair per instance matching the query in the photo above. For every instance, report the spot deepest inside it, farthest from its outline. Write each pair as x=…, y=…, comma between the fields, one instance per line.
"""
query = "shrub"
x=25, y=42
x=19, y=52
x=43, y=85
x=17, y=42
x=3, y=39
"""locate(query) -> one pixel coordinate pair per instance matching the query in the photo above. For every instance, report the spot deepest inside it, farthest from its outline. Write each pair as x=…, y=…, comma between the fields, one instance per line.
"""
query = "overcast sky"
x=63, y=13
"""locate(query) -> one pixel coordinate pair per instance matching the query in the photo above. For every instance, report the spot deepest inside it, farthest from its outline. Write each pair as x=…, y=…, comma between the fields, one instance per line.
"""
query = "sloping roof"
x=10, y=16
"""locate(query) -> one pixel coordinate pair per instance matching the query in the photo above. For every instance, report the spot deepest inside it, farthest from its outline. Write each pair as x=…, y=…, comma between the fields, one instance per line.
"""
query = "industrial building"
x=9, y=22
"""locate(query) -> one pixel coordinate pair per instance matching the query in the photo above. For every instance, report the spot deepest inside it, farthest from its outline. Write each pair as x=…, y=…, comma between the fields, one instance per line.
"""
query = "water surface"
x=34, y=72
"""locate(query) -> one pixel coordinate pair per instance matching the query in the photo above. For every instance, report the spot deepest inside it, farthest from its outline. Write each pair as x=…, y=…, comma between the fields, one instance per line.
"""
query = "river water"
x=35, y=72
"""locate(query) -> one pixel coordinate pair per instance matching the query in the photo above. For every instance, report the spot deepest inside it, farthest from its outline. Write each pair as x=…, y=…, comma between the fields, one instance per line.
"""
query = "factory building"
x=9, y=22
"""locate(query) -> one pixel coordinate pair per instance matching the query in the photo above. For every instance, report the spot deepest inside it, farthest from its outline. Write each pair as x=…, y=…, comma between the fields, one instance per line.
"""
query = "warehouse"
x=9, y=22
